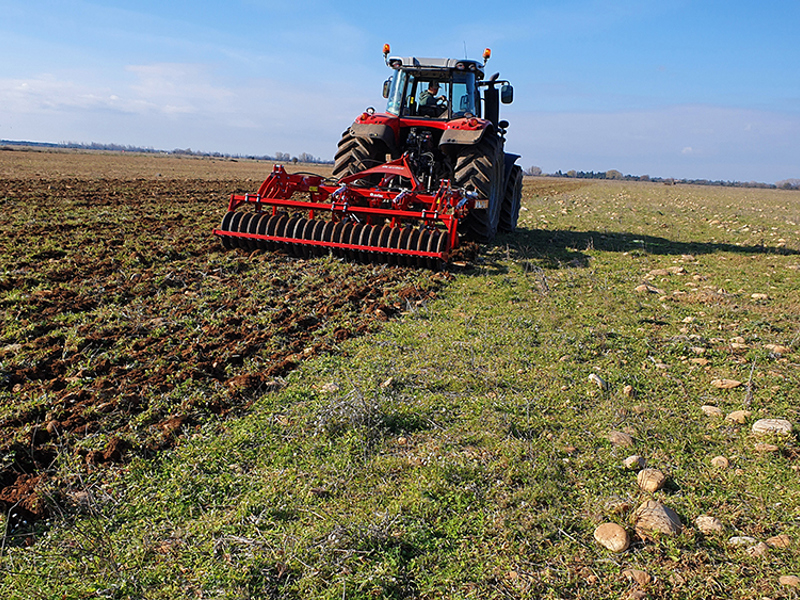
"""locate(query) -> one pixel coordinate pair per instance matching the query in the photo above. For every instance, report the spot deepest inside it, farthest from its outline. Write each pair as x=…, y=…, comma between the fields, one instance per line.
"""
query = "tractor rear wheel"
x=479, y=168
x=509, y=211
x=355, y=154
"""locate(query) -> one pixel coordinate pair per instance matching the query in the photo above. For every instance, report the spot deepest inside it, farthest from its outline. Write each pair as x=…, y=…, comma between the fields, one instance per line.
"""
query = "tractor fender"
x=462, y=137
x=375, y=131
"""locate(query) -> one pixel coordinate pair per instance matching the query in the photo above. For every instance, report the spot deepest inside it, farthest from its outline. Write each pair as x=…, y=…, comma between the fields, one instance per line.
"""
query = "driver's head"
x=433, y=86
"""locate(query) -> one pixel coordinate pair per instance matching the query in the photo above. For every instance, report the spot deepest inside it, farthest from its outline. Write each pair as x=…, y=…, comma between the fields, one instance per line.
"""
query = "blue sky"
x=669, y=88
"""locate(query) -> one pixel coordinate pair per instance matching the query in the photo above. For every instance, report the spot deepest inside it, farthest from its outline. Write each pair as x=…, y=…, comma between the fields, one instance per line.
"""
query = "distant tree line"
x=786, y=184
x=284, y=157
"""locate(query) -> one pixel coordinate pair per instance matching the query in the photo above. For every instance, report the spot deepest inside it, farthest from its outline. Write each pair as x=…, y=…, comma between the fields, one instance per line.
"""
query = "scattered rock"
x=760, y=550
x=676, y=270
x=765, y=447
x=628, y=391
x=644, y=288
x=402, y=441
x=597, y=380
x=330, y=387
x=659, y=273
x=742, y=540
x=388, y=383
x=759, y=296
x=653, y=518
x=651, y=480
x=612, y=537
x=699, y=361
x=726, y=384
x=634, y=462
x=780, y=541
x=789, y=580
x=709, y=525
x=643, y=578
x=772, y=426
x=711, y=411
x=739, y=416
x=720, y=462
x=777, y=348
x=618, y=438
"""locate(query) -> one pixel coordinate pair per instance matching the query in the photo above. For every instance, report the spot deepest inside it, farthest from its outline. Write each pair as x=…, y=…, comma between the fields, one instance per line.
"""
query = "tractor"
x=408, y=184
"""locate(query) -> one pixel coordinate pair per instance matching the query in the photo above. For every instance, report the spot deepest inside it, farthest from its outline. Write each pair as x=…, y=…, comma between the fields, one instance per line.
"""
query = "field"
x=181, y=422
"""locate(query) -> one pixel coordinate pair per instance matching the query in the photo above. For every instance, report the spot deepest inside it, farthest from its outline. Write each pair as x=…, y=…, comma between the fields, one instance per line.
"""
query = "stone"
x=651, y=480
x=712, y=411
x=739, y=416
x=618, y=438
x=598, y=381
x=772, y=426
x=643, y=578
x=742, y=540
x=612, y=537
x=789, y=580
x=720, y=462
x=765, y=447
x=759, y=296
x=709, y=525
x=779, y=541
x=628, y=391
x=634, y=462
x=760, y=550
x=726, y=384
x=777, y=348
x=653, y=518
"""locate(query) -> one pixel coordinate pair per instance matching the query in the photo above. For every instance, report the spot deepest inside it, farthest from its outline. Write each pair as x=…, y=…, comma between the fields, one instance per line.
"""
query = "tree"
x=533, y=171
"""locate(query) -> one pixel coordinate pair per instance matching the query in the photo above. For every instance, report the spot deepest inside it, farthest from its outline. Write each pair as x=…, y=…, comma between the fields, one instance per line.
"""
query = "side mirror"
x=506, y=93
x=503, y=124
x=386, y=86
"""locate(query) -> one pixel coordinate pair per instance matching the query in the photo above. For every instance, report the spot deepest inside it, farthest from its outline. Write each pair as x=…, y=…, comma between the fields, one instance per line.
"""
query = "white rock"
x=651, y=480
x=711, y=411
x=789, y=580
x=709, y=525
x=612, y=537
x=739, y=416
x=720, y=462
x=772, y=426
x=598, y=381
x=643, y=578
x=653, y=518
x=618, y=438
x=742, y=540
x=634, y=462
x=726, y=384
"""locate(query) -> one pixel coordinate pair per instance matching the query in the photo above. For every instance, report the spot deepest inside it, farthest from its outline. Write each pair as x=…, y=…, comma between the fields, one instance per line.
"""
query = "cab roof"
x=415, y=63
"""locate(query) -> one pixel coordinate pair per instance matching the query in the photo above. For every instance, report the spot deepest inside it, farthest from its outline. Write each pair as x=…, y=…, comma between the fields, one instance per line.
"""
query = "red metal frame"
x=374, y=205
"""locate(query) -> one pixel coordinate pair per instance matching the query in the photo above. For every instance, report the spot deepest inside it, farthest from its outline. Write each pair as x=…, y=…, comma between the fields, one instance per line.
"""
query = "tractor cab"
x=433, y=88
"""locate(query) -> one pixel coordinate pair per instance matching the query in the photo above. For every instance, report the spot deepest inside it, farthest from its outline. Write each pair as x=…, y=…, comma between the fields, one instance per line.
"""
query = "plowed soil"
x=126, y=326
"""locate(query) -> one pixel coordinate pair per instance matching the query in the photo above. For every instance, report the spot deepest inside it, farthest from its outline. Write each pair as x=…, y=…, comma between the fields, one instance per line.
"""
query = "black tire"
x=509, y=211
x=480, y=169
x=356, y=154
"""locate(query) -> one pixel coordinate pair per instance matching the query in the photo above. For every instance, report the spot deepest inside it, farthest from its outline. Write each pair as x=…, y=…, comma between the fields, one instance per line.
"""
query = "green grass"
x=462, y=451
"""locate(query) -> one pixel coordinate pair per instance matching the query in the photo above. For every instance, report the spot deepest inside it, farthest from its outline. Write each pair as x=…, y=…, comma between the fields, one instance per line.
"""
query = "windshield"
x=395, y=103
x=432, y=97
x=463, y=98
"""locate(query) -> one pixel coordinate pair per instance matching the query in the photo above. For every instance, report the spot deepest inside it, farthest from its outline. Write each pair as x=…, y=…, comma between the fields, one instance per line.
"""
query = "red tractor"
x=409, y=182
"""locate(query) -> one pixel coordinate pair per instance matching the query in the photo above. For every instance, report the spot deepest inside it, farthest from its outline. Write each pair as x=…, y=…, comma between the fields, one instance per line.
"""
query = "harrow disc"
x=296, y=235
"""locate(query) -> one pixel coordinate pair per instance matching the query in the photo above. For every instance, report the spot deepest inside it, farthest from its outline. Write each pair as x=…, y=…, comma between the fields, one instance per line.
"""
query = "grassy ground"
x=463, y=451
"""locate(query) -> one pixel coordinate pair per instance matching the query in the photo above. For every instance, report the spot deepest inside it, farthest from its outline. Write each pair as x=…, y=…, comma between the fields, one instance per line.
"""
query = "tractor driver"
x=428, y=97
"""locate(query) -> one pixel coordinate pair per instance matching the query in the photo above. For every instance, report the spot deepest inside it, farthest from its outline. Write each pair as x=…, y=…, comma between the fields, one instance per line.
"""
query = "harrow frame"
x=366, y=223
